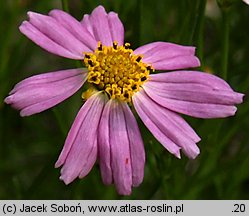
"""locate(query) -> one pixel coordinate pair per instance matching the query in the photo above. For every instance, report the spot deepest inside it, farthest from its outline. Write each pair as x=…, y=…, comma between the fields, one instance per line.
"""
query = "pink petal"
x=80, y=149
x=86, y=23
x=104, y=147
x=104, y=27
x=159, y=50
x=75, y=28
x=45, y=42
x=120, y=149
x=153, y=125
x=166, y=121
x=41, y=92
x=193, y=93
x=48, y=78
x=101, y=28
x=177, y=63
x=90, y=161
x=53, y=30
x=136, y=146
x=168, y=56
x=194, y=109
x=116, y=28
x=196, y=77
x=182, y=124
x=77, y=124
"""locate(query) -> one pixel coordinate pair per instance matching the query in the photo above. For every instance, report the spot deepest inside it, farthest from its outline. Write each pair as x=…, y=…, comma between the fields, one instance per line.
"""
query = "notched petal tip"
x=112, y=14
x=124, y=192
x=195, y=152
x=98, y=11
x=197, y=62
x=233, y=110
x=56, y=11
x=8, y=100
x=192, y=50
x=29, y=13
x=177, y=154
x=197, y=139
x=32, y=14
x=66, y=180
x=58, y=163
x=240, y=97
x=100, y=8
x=23, y=114
x=23, y=25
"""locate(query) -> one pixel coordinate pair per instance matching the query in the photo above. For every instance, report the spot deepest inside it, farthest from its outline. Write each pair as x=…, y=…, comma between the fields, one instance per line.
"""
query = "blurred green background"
x=30, y=146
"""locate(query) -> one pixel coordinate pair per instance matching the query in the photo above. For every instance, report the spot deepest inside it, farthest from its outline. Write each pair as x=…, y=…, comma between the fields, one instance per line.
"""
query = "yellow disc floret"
x=116, y=70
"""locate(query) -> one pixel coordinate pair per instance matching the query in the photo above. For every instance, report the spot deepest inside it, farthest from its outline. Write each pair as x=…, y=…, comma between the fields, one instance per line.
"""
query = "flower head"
x=116, y=70
x=119, y=77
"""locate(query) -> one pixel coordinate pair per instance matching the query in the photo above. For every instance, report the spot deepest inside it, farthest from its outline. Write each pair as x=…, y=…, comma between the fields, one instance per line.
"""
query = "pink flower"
x=119, y=77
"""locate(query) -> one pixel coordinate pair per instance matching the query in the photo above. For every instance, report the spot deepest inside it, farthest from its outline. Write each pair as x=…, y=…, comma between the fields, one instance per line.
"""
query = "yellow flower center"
x=116, y=70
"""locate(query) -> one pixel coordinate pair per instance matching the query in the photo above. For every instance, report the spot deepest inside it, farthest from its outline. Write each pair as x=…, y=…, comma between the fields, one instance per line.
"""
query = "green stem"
x=65, y=6
x=225, y=43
